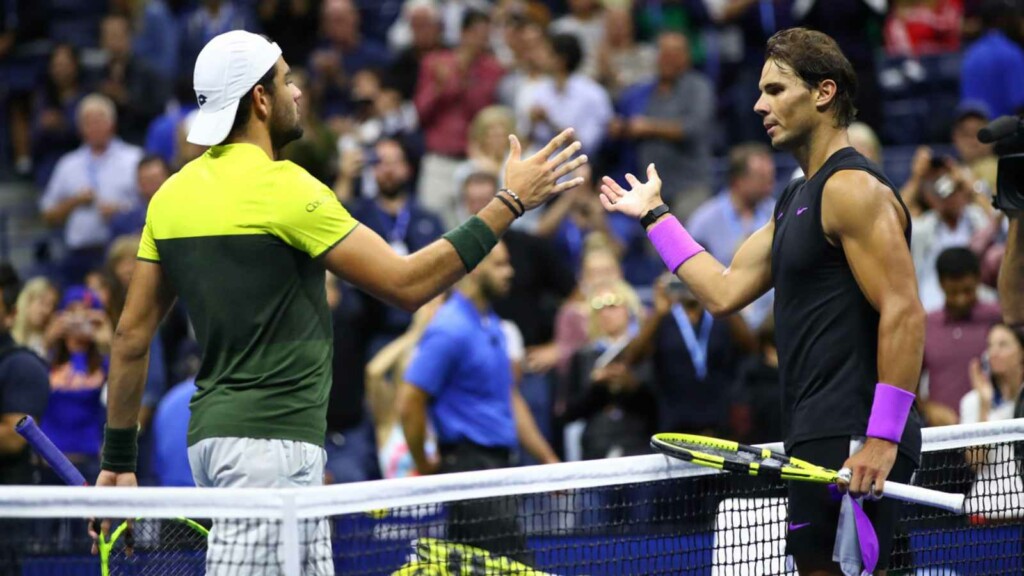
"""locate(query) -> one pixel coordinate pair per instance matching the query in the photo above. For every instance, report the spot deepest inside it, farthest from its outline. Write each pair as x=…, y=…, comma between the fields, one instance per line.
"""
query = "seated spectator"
x=53, y=127
x=152, y=172
x=451, y=13
x=341, y=52
x=33, y=316
x=75, y=416
x=138, y=91
x=615, y=401
x=725, y=221
x=756, y=418
x=669, y=121
x=952, y=218
x=447, y=103
x=528, y=69
x=170, y=431
x=289, y=23
x=969, y=118
x=162, y=133
x=157, y=40
x=378, y=113
x=996, y=377
x=864, y=140
x=954, y=335
x=488, y=143
x=89, y=186
x=992, y=68
x=569, y=98
x=923, y=27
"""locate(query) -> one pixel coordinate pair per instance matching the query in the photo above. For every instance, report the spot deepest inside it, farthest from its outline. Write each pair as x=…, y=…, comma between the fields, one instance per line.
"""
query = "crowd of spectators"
x=406, y=110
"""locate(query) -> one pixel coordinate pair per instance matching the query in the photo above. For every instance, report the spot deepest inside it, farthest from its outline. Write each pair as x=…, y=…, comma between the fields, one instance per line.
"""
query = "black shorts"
x=814, y=512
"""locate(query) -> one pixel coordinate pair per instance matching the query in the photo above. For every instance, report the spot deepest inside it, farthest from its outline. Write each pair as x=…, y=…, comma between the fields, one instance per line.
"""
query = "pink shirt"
x=446, y=108
x=949, y=345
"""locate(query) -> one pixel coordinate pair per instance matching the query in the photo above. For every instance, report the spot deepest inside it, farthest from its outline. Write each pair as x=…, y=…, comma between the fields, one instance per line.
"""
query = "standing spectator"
x=992, y=69
x=33, y=316
x=210, y=18
x=461, y=374
x=954, y=335
x=137, y=90
x=454, y=85
x=75, y=416
x=24, y=389
x=586, y=22
x=621, y=61
x=151, y=173
x=53, y=128
x=725, y=221
x=671, y=120
x=425, y=26
x=952, y=219
x=398, y=218
x=89, y=186
x=567, y=99
x=341, y=54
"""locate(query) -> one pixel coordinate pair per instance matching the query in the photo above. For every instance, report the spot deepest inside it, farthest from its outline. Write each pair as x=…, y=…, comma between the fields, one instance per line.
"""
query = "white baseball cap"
x=226, y=70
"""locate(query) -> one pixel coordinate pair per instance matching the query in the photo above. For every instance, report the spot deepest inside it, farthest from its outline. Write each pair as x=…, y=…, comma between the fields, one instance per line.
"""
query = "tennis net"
x=640, y=515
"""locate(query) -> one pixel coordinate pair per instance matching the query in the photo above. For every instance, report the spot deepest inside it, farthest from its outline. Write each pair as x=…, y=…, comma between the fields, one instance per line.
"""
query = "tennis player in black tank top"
x=849, y=324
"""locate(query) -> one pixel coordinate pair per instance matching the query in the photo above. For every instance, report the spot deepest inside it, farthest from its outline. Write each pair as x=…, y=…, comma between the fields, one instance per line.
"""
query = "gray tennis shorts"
x=238, y=546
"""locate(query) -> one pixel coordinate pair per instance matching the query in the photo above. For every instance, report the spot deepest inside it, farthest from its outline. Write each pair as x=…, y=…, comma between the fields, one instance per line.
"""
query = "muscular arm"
x=149, y=298
x=1011, y=276
x=863, y=216
x=11, y=443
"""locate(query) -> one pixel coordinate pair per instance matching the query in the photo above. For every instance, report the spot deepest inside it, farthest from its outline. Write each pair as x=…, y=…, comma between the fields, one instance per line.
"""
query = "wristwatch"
x=653, y=214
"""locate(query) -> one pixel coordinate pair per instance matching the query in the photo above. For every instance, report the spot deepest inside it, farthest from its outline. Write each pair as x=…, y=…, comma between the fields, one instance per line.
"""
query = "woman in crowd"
x=36, y=305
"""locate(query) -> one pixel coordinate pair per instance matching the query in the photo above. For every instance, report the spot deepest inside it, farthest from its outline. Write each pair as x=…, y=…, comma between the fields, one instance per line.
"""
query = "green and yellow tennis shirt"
x=238, y=236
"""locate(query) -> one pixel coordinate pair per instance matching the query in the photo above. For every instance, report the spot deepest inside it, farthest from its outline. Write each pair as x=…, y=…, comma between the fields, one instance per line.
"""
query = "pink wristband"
x=889, y=412
x=673, y=243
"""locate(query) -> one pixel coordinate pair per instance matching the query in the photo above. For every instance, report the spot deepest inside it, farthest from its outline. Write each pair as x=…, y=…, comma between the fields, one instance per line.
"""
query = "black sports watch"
x=653, y=214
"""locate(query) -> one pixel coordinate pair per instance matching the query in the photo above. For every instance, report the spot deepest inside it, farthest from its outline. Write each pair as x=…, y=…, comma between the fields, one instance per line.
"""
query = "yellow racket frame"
x=681, y=446
x=105, y=544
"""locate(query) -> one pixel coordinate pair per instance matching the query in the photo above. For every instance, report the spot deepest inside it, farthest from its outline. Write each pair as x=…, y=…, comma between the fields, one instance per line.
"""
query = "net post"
x=290, y=537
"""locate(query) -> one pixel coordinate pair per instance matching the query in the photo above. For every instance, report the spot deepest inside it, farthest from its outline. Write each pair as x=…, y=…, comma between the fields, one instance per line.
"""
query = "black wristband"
x=120, y=449
x=515, y=213
x=515, y=197
x=472, y=240
x=653, y=214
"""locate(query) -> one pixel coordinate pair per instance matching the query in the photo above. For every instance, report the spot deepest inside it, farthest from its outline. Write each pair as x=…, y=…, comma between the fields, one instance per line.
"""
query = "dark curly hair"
x=814, y=57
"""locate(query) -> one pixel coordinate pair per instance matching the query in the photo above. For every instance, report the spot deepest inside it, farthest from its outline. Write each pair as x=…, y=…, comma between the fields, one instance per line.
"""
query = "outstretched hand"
x=638, y=200
x=535, y=179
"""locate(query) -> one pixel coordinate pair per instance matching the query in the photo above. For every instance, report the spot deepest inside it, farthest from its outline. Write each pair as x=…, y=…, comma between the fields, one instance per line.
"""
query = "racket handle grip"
x=42, y=446
x=917, y=495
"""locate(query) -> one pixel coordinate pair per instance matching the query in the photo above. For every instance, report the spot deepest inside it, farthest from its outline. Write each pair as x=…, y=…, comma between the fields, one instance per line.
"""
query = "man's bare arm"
x=529, y=435
x=149, y=298
x=366, y=260
x=412, y=412
x=722, y=290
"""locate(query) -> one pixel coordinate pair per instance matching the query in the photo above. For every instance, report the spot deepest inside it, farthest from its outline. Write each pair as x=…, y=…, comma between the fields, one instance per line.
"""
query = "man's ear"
x=261, y=102
x=825, y=94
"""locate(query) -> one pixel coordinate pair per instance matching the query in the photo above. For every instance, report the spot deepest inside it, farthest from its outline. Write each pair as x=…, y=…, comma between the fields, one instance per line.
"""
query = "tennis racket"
x=753, y=461
x=175, y=546
x=436, y=557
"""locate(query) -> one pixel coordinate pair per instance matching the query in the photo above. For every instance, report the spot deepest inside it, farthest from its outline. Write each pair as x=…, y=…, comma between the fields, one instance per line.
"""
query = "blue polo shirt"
x=462, y=363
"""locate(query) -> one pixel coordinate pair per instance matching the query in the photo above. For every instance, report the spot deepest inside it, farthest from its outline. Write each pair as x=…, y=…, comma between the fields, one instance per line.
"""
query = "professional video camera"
x=1007, y=133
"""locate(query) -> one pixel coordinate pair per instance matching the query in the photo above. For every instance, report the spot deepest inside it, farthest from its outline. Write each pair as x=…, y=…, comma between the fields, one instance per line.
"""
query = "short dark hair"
x=567, y=47
x=814, y=57
x=955, y=263
x=740, y=155
x=245, y=104
x=472, y=17
x=151, y=158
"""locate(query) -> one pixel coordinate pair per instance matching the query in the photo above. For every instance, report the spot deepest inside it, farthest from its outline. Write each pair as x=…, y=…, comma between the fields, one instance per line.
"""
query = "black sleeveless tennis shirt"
x=825, y=329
